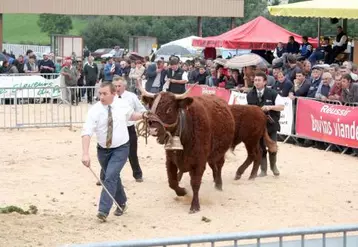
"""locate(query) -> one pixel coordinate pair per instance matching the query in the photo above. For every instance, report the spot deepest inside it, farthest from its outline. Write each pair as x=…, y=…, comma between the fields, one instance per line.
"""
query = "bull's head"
x=165, y=108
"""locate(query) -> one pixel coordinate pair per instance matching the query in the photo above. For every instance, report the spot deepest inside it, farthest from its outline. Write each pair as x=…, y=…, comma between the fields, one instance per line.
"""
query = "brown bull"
x=206, y=128
x=250, y=127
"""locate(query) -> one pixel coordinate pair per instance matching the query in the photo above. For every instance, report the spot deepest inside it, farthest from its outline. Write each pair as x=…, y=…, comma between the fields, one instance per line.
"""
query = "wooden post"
x=232, y=23
x=344, y=26
x=200, y=27
x=1, y=30
x=319, y=31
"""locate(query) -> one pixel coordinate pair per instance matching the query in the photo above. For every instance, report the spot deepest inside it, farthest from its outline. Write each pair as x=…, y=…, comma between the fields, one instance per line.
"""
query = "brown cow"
x=250, y=127
x=206, y=127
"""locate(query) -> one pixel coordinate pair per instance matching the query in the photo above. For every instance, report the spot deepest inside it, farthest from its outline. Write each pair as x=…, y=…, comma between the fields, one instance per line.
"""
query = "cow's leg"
x=172, y=171
x=257, y=161
x=214, y=169
x=247, y=162
x=195, y=181
x=218, y=180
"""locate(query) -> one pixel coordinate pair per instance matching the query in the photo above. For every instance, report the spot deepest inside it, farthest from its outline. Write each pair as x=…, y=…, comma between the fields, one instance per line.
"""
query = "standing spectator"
x=349, y=89
x=336, y=90
x=176, y=78
x=70, y=74
x=91, y=76
x=46, y=66
x=324, y=87
x=109, y=70
x=292, y=46
x=31, y=66
x=283, y=86
x=155, y=77
x=301, y=85
x=212, y=80
x=315, y=81
x=19, y=63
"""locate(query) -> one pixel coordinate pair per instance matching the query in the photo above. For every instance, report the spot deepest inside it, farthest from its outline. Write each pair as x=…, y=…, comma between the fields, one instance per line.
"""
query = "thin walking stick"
x=104, y=187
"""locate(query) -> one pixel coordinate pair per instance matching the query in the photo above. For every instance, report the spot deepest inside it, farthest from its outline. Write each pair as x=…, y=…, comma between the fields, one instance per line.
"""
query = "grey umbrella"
x=245, y=60
x=173, y=50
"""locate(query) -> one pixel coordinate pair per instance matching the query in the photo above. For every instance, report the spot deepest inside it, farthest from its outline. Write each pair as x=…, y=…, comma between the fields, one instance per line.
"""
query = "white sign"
x=286, y=118
x=237, y=98
x=34, y=86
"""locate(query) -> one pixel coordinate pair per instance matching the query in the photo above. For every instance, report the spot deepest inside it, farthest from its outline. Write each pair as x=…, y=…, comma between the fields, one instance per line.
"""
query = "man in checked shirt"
x=108, y=119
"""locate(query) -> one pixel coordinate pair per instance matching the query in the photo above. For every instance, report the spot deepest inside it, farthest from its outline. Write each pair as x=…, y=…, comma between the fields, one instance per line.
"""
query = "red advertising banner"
x=335, y=124
x=204, y=89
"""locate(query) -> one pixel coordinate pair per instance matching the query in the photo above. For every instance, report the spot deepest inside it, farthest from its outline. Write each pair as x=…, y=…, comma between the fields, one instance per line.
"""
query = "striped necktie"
x=109, y=128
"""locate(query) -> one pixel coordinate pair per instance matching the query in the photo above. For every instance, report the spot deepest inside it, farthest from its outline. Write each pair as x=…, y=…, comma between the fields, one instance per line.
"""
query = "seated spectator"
x=336, y=90
x=321, y=53
x=282, y=86
x=324, y=87
x=301, y=86
x=279, y=51
x=305, y=49
x=315, y=81
x=234, y=80
x=292, y=46
x=349, y=89
x=339, y=45
x=212, y=80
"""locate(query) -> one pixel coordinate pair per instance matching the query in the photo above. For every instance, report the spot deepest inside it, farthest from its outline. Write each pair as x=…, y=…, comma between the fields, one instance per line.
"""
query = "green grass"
x=23, y=29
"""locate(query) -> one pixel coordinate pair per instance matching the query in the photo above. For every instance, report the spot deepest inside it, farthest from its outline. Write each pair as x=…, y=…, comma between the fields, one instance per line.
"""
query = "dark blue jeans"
x=112, y=162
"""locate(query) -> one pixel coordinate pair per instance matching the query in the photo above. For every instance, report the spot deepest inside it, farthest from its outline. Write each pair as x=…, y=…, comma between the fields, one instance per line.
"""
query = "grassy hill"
x=23, y=29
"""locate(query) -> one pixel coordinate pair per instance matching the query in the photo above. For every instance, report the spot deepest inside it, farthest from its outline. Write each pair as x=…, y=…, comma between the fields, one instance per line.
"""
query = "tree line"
x=107, y=31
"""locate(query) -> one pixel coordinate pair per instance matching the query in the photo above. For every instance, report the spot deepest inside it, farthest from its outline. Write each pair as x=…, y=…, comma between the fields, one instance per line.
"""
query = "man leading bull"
x=271, y=103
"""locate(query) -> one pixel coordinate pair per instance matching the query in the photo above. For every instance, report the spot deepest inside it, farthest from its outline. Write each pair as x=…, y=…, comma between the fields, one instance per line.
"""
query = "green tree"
x=54, y=24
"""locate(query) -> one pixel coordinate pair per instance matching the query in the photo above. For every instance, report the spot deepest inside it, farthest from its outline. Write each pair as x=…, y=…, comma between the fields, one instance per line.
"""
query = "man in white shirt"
x=132, y=99
x=108, y=119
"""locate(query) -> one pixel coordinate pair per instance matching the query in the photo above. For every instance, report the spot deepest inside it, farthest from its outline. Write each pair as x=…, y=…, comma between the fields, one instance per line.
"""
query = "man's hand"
x=86, y=161
x=266, y=108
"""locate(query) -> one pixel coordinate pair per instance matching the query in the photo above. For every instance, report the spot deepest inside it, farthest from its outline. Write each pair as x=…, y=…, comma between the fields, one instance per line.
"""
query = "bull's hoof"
x=180, y=192
x=237, y=177
x=193, y=211
x=219, y=187
x=252, y=177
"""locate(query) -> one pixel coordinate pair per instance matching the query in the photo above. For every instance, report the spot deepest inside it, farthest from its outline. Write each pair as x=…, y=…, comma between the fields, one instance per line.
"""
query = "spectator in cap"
x=46, y=66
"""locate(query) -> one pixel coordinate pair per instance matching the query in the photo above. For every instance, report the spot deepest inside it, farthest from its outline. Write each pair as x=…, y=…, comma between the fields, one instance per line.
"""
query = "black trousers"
x=273, y=136
x=133, y=157
x=90, y=91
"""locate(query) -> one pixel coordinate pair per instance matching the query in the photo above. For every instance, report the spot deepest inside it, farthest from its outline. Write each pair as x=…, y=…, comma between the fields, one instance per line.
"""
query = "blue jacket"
x=313, y=88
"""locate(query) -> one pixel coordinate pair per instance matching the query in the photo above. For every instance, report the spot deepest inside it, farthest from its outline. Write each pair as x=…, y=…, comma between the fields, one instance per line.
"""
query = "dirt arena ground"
x=42, y=167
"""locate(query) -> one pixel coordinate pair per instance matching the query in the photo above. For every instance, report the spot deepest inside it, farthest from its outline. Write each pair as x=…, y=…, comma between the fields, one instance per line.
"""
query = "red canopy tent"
x=258, y=34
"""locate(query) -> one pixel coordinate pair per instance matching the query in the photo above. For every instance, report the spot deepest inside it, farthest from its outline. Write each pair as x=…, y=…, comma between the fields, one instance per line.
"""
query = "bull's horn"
x=142, y=90
x=184, y=95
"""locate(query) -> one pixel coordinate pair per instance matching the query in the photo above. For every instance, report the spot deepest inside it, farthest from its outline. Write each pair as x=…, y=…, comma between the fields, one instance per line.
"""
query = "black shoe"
x=139, y=180
x=120, y=211
x=102, y=217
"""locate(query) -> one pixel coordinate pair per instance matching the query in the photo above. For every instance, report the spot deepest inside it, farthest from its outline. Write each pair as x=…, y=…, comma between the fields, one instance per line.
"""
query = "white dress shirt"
x=97, y=121
x=134, y=103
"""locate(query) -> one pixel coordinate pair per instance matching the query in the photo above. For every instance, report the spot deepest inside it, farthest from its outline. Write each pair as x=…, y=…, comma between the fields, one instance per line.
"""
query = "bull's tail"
x=271, y=145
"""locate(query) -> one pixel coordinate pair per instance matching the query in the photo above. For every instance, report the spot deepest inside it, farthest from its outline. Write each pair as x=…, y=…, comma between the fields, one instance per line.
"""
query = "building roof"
x=205, y=8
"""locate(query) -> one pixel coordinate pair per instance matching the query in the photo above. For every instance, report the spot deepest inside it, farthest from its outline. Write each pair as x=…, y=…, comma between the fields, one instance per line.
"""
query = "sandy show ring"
x=42, y=167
